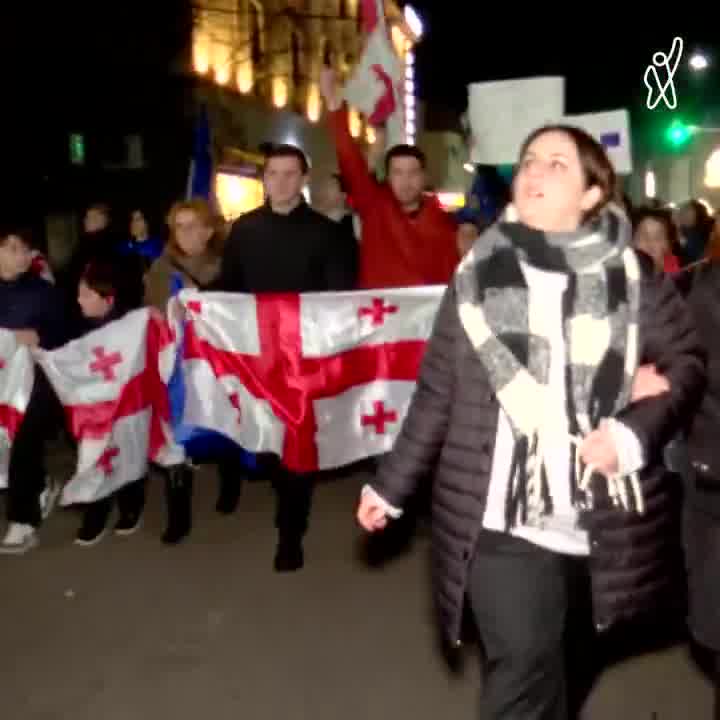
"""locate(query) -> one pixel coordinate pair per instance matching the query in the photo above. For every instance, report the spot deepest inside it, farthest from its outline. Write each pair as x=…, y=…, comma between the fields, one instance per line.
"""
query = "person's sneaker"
x=289, y=556
x=19, y=539
x=91, y=531
x=49, y=497
x=128, y=524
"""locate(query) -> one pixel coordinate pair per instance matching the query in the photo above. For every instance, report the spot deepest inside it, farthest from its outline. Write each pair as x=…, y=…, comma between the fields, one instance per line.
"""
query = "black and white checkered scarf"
x=600, y=311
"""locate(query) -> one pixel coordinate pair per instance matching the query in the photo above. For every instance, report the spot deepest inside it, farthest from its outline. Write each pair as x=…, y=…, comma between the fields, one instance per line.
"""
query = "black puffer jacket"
x=704, y=300
x=450, y=430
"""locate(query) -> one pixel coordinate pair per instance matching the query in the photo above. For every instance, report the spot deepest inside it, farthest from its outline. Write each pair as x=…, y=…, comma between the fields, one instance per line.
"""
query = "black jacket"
x=704, y=437
x=102, y=247
x=450, y=432
x=31, y=303
x=300, y=252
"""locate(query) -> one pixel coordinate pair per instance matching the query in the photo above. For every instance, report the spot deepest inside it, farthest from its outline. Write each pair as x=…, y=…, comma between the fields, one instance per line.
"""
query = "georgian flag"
x=375, y=87
x=319, y=379
x=16, y=382
x=111, y=383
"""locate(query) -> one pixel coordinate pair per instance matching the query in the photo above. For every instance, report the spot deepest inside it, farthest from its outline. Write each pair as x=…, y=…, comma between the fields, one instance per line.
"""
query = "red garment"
x=672, y=264
x=397, y=249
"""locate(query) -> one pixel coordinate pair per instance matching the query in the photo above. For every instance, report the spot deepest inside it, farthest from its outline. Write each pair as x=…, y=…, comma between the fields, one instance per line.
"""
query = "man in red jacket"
x=407, y=238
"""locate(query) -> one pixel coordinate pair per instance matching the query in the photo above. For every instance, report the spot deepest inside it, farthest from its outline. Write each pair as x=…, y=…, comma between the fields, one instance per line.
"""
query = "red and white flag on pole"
x=376, y=86
x=116, y=402
x=16, y=380
x=319, y=379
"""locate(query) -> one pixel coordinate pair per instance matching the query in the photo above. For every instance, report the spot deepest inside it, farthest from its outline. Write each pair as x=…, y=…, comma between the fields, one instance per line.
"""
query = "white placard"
x=503, y=113
x=612, y=130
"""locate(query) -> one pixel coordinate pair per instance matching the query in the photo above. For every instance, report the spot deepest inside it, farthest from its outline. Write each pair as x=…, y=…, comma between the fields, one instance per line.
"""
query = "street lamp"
x=699, y=61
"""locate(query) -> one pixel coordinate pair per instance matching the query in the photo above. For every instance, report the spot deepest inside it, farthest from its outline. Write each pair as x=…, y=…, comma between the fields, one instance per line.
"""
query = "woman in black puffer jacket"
x=549, y=484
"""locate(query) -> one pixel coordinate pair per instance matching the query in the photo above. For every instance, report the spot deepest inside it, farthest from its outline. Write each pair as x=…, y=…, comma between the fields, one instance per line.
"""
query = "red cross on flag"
x=112, y=386
x=321, y=379
x=16, y=381
x=376, y=86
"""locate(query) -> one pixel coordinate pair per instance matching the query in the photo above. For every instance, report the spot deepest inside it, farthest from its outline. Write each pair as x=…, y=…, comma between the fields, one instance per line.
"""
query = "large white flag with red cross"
x=376, y=85
x=16, y=381
x=112, y=386
x=320, y=379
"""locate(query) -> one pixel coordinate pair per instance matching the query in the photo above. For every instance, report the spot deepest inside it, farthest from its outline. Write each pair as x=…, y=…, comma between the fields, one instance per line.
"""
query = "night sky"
x=603, y=59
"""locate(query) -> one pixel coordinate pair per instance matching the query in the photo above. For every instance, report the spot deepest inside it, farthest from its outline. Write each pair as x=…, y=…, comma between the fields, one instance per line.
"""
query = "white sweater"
x=558, y=532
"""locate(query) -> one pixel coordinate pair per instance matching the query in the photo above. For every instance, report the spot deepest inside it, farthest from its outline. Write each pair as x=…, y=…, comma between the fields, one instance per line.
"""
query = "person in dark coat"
x=145, y=241
x=702, y=496
x=549, y=487
x=33, y=309
x=286, y=247
x=99, y=243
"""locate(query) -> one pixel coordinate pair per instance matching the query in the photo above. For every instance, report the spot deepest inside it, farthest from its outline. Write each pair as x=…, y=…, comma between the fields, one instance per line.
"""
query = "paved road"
x=131, y=630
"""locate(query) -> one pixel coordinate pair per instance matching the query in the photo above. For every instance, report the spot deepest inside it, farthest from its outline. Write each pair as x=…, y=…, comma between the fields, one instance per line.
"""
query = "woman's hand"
x=371, y=513
x=598, y=450
x=648, y=383
x=29, y=338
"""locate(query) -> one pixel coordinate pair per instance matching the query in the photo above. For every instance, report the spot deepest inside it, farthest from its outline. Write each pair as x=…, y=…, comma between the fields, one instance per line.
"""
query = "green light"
x=77, y=149
x=678, y=133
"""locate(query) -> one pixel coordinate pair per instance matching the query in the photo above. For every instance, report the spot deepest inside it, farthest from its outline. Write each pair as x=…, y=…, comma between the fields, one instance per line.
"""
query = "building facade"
x=256, y=67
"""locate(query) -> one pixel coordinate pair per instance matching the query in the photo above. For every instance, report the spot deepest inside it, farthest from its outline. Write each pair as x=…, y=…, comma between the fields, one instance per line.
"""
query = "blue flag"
x=200, y=179
x=200, y=444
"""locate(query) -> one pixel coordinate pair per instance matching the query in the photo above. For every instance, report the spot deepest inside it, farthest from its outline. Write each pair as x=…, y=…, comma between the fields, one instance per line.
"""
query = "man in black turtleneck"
x=285, y=246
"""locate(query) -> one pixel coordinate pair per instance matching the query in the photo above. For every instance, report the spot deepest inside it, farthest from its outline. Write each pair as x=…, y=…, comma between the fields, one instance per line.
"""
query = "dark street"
x=132, y=630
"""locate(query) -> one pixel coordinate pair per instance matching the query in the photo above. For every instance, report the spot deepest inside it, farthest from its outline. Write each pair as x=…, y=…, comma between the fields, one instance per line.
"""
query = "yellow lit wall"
x=201, y=53
x=237, y=194
x=280, y=92
x=313, y=103
x=355, y=123
x=398, y=39
x=244, y=77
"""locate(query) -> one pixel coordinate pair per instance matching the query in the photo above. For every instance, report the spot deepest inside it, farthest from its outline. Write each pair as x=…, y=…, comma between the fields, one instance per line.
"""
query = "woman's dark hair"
x=703, y=220
x=596, y=165
x=402, y=151
x=154, y=225
x=664, y=217
x=102, y=278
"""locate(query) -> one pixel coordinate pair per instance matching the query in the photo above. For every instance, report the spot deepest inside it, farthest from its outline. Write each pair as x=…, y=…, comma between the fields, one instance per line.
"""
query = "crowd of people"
x=566, y=408
x=284, y=246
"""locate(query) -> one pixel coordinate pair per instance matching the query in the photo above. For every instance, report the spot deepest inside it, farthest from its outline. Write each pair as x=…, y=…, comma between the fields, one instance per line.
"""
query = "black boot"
x=229, y=473
x=289, y=555
x=178, y=494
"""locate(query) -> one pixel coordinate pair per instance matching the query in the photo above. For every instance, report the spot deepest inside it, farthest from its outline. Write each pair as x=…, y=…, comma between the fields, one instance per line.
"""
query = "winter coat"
x=193, y=272
x=450, y=430
x=303, y=251
x=704, y=300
